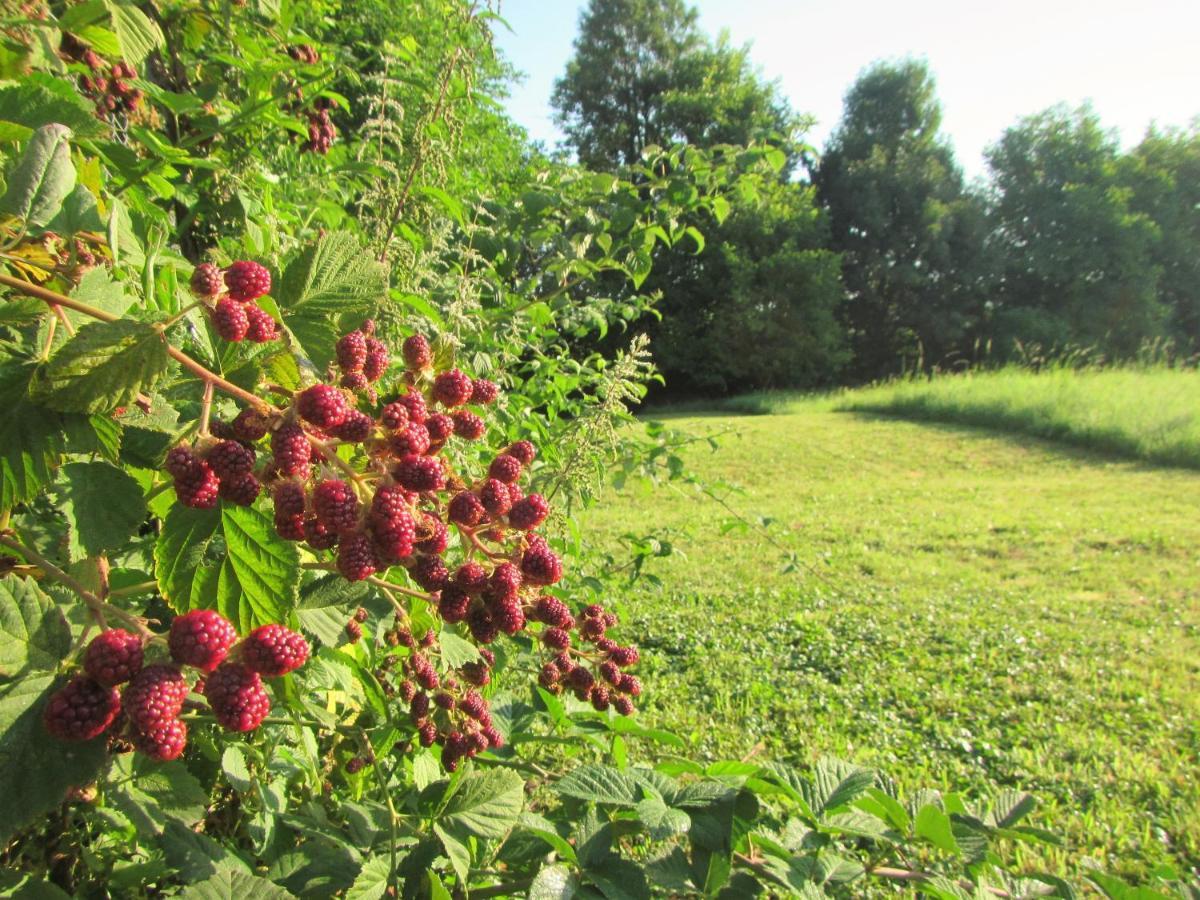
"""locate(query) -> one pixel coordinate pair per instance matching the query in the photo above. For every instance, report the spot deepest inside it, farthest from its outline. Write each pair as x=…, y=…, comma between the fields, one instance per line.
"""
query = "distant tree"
x=1163, y=173
x=911, y=239
x=1078, y=258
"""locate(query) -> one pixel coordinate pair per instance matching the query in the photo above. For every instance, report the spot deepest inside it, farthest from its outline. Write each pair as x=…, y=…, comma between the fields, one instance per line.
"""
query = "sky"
x=1137, y=62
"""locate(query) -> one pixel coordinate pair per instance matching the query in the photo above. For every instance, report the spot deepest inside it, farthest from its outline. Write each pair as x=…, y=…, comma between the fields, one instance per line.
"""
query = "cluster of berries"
x=362, y=359
x=110, y=91
x=231, y=293
x=321, y=133
x=220, y=465
x=148, y=710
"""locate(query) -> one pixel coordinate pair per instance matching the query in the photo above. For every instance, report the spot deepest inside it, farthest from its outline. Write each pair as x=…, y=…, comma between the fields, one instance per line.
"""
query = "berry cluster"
x=218, y=467
x=321, y=133
x=106, y=86
x=149, y=708
x=231, y=293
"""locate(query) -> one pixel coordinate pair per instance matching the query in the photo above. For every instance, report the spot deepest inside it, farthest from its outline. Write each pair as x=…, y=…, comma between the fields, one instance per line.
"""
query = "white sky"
x=1137, y=62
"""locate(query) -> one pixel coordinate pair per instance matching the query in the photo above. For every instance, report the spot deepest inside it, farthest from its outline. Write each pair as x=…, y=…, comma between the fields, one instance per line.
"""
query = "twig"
x=206, y=406
x=518, y=887
x=408, y=592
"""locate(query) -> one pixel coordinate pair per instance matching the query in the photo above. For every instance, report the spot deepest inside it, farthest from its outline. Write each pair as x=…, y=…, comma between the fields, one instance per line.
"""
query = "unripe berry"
x=471, y=577
x=630, y=685
x=200, y=489
x=240, y=491
x=420, y=473
x=524, y=451
x=416, y=352
x=274, y=650
x=356, y=428
x=623, y=705
x=230, y=320
x=231, y=460
x=164, y=742
x=483, y=391
x=508, y=615
x=81, y=710
x=435, y=536
x=237, y=697
x=336, y=505
x=505, y=468
x=415, y=404
x=249, y=425
x=495, y=498
x=113, y=657
x=323, y=405
x=207, y=280
x=465, y=509
x=155, y=695
x=247, y=280
x=599, y=697
x=377, y=360
x=440, y=427
x=483, y=627
x=352, y=351
x=504, y=583
x=356, y=557
x=452, y=388
x=427, y=734
x=201, y=638
x=467, y=425
x=430, y=573
x=394, y=416
x=290, y=528
x=263, y=329
x=412, y=440
x=529, y=512
x=291, y=450
x=552, y=611
x=453, y=604
x=319, y=536
x=181, y=462
x=556, y=638
x=624, y=656
x=289, y=498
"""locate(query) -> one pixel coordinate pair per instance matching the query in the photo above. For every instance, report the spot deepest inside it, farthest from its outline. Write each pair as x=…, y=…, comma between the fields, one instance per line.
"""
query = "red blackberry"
x=407, y=690
x=81, y=710
x=630, y=685
x=504, y=583
x=207, y=280
x=477, y=673
x=318, y=535
x=529, y=512
x=230, y=320
x=415, y=404
x=548, y=677
x=201, y=638
x=442, y=700
x=420, y=473
x=508, y=615
x=290, y=528
x=394, y=416
x=274, y=650
x=181, y=462
x=524, y=451
x=493, y=737
x=430, y=573
x=505, y=468
x=592, y=629
x=599, y=697
x=249, y=425
x=556, y=638
x=113, y=657
x=440, y=427
x=452, y=388
x=240, y=491
x=164, y=742
x=416, y=352
x=552, y=611
x=336, y=505
x=427, y=734
x=580, y=678
x=377, y=360
x=413, y=439
x=291, y=449
x=323, y=405
x=356, y=428
x=356, y=557
x=237, y=697
x=263, y=329
x=390, y=501
x=247, y=280
x=625, y=656
x=483, y=627
x=289, y=498
x=515, y=494
x=609, y=672
x=437, y=536
x=352, y=351
x=230, y=460
x=484, y=392
x=471, y=577
x=465, y=509
x=623, y=705
x=468, y=425
x=353, y=631
x=453, y=603
x=493, y=494
x=356, y=381
x=155, y=695
x=200, y=489
x=473, y=705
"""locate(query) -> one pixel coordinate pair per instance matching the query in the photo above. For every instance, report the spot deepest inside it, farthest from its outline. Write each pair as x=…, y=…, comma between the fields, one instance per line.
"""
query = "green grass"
x=978, y=608
x=1150, y=413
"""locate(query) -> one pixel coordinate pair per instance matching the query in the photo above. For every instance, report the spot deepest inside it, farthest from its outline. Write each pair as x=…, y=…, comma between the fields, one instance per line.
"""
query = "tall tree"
x=910, y=237
x=1078, y=257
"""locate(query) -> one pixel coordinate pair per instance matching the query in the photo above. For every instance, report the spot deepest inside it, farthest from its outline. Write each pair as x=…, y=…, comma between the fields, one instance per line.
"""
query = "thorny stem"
x=206, y=407
x=134, y=589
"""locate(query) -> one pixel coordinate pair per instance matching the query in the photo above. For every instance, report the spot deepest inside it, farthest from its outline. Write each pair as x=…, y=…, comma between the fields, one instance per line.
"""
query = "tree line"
x=875, y=255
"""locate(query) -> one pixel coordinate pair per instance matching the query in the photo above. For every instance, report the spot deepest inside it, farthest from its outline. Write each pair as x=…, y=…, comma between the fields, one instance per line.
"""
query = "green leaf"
x=457, y=851
x=544, y=829
x=619, y=879
x=103, y=505
x=43, y=178
x=30, y=439
x=457, y=652
x=599, y=784
x=136, y=33
x=372, y=880
x=235, y=885
x=1010, y=807
x=78, y=213
x=105, y=365
x=934, y=825
x=836, y=784
x=325, y=605
x=555, y=882
x=233, y=764
x=486, y=804
x=661, y=821
x=1115, y=889
x=152, y=794
x=196, y=856
x=34, y=634
x=34, y=105
x=36, y=771
x=250, y=575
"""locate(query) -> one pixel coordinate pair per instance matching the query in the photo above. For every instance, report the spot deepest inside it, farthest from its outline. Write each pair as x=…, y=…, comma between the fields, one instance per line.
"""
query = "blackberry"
x=291, y=449
x=630, y=685
x=207, y=280
x=556, y=638
x=249, y=425
x=477, y=673
x=529, y=512
x=81, y=710
x=610, y=673
x=524, y=451
x=427, y=734
x=263, y=329
x=407, y=690
x=592, y=629
x=318, y=535
x=200, y=489
x=484, y=392
x=113, y=657
x=442, y=700
x=549, y=675
x=336, y=505
x=356, y=557
x=164, y=742
x=230, y=320
x=505, y=468
x=483, y=627
x=552, y=611
x=420, y=473
x=471, y=577
x=353, y=632
x=440, y=427
x=237, y=697
x=465, y=509
x=508, y=615
x=625, y=656
x=504, y=583
x=181, y=462
x=230, y=460
x=356, y=428
x=452, y=388
x=323, y=405
x=416, y=352
x=247, y=280
x=415, y=404
x=430, y=573
x=201, y=638
x=437, y=537
x=412, y=440
x=274, y=650
x=473, y=705
x=390, y=501
x=453, y=604
x=599, y=697
x=468, y=425
x=240, y=491
x=580, y=678
x=623, y=705
x=377, y=360
x=290, y=528
x=494, y=496
x=394, y=416
x=289, y=498
x=356, y=381
x=155, y=695
x=352, y=351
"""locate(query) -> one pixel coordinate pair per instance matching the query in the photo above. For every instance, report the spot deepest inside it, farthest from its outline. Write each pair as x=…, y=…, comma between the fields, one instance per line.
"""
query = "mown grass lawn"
x=979, y=608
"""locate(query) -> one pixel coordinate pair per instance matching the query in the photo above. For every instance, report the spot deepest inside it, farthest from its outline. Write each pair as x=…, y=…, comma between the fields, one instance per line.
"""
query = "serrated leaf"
x=661, y=821
x=457, y=652
x=837, y=783
x=935, y=826
x=325, y=605
x=194, y=855
x=486, y=804
x=544, y=829
x=456, y=850
x=30, y=439
x=34, y=633
x=42, y=179
x=34, y=105
x=619, y=879
x=599, y=784
x=36, y=771
x=372, y=880
x=152, y=794
x=233, y=764
x=1010, y=807
x=105, y=365
x=103, y=505
x=233, y=885
x=78, y=213
x=136, y=33
x=182, y=566
x=555, y=882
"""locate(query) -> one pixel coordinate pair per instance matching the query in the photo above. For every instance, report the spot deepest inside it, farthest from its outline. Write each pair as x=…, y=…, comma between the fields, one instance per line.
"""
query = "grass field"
x=979, y=608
